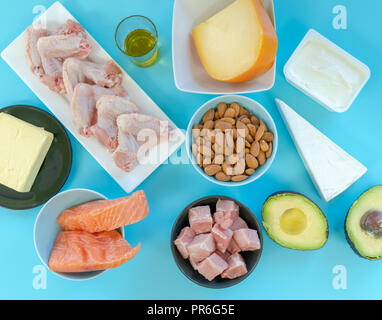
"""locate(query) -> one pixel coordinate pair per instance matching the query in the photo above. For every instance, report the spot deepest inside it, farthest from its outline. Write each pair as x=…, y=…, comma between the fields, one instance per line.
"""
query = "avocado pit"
x=371, y=222
x=293, y=221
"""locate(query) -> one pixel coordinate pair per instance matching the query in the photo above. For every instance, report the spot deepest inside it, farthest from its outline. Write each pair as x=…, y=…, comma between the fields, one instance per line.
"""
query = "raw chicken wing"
x=76, y=71
x=108, y=110
x=83, y=105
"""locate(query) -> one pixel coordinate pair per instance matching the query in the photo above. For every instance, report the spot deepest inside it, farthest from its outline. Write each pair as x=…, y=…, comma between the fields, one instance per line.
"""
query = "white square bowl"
x=189, y=73
x=313, y=34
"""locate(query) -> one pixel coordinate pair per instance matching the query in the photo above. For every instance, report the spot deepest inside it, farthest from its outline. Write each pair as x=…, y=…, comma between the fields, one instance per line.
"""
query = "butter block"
x=23, y=148
x=237, y=44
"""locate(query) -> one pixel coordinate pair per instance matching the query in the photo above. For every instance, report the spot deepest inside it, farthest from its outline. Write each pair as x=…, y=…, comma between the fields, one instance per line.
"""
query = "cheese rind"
x=23, y=148
x=238, y=44
x=330, y=167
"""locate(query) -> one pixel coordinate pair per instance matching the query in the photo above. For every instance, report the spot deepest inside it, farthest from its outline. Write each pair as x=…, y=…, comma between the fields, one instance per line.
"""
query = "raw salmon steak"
x=105, y=215
x=80, y=251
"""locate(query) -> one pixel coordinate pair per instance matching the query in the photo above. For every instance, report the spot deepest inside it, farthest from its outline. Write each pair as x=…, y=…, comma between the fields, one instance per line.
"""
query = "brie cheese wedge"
x=330, y=167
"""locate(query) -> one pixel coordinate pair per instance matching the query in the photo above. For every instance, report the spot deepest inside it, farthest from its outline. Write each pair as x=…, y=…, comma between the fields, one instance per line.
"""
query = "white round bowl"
x=46, y=228
x=253, y=107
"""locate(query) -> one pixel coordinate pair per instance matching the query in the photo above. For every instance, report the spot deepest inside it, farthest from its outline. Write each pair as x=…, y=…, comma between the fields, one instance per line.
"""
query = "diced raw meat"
x=222, y=237
x=225, y=219
x=233, y=247
x=224, y=255
x=212, y=266
x=200, y=219
x=247, y=239
x=194, y=264
x=184, y=239
x=239, y=223
x=236, y=267
x=226, y=205
x=201, y=247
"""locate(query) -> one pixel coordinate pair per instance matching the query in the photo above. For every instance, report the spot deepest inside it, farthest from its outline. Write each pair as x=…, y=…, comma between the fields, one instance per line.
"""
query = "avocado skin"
x=352, y=245
x=301, y=195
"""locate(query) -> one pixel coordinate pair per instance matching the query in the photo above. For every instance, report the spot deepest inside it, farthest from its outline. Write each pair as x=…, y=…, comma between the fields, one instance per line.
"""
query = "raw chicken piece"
x=70, y=27
x=33, y=55
x=108, y=110
x=201, y=247
x=126, y=155
x=247, y=239
x=222, y=237
x=211, y=267
x=83, y=105
x=137, y=127
x=184, y=239
x=200, y=219
x=75, y=71
x=236, y=267
x=64, y=46
x=226, y=205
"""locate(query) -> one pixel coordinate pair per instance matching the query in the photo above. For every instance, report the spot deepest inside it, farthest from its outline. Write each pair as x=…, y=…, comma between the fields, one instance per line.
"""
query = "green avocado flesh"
x=295, y=222
x=363, y=236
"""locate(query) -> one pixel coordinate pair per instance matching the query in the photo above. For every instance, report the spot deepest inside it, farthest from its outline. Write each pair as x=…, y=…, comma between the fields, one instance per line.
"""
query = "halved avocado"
x=363, y=224
x=294, y=221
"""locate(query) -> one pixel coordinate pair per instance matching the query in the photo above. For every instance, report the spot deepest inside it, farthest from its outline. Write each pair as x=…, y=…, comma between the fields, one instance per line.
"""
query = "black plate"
x=251, y=257
x=54, y=171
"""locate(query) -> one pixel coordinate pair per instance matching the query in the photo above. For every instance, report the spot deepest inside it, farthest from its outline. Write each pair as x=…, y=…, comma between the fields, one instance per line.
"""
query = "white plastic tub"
x=309, y=87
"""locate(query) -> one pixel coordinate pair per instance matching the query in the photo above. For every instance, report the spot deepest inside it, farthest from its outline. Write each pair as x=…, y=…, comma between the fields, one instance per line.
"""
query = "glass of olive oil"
x=137, y=37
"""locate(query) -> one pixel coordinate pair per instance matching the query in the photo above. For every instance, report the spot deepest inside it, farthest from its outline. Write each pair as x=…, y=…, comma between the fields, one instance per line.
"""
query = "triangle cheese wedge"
x=331, y=168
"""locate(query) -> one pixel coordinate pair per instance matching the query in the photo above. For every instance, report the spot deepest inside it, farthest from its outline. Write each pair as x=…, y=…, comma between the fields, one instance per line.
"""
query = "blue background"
x=281, y=273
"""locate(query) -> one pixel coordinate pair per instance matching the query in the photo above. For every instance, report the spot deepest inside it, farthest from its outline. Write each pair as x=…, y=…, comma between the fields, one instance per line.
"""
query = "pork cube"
x=212, y=266
x=225, y=219
x=200, y=219
x=239, y=223
x=247, y=239
x=224, y=255
x=184, y=239
x=201, y=247
x=233, y=247
x=222, y=237
x=194, y=264
x=236, y=267
x=226, y=205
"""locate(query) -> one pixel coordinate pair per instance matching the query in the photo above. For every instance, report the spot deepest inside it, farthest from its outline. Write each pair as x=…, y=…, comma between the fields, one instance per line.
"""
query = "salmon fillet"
x=105, y=215
x=80, y=251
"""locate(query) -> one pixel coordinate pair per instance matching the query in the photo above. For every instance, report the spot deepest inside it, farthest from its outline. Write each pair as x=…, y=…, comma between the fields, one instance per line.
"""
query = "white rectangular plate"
x=15, y=56
x=189, y=73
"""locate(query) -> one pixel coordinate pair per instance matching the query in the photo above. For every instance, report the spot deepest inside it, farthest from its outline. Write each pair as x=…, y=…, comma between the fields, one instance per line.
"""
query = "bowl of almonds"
x=232, y=140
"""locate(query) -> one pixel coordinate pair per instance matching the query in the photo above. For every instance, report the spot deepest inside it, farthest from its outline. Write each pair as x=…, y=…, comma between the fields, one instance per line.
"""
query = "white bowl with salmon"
x=79, y=233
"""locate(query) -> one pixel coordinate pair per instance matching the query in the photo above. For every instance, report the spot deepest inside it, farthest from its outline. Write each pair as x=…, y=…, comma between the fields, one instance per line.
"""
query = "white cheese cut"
x=330, y=167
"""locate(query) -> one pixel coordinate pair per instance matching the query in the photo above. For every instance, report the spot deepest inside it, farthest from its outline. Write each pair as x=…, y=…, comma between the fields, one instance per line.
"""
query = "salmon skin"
x=80, y=251
x=105, y=215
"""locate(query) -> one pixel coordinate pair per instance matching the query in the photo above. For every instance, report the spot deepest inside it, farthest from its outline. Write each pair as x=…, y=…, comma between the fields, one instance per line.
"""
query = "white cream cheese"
x=326, y=74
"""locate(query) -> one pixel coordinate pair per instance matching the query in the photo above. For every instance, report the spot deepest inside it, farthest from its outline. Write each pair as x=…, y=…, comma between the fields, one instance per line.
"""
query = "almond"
x=260, y=131
x=264, y=145
x=239, y=178
x=270, y=150
x=251, y=161
x=268, y=136
x=255, y=148
x=222, y=108
x=212, y=169
x=221, y=176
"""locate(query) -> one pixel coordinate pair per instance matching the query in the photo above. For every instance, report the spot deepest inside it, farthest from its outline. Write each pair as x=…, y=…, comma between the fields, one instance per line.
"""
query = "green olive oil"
x=140, y=43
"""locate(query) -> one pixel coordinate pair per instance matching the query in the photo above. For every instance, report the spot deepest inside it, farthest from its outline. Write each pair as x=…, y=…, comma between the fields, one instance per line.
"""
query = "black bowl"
x=251, y=257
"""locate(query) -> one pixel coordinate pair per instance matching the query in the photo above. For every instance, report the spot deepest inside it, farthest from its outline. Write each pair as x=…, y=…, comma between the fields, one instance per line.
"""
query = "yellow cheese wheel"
x=237, y=44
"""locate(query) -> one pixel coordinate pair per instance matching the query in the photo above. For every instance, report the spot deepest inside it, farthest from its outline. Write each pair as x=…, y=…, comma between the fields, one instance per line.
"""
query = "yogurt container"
x=326, y=73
